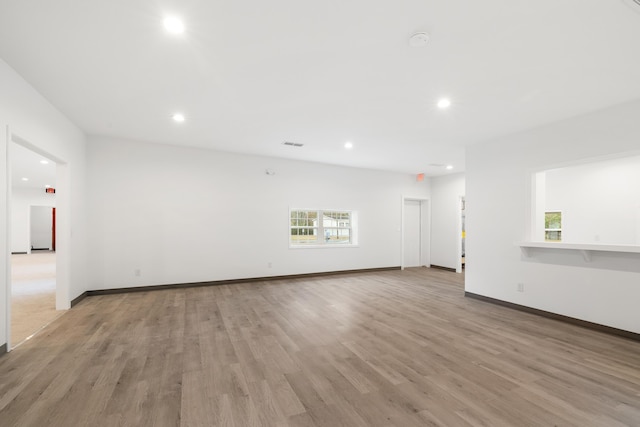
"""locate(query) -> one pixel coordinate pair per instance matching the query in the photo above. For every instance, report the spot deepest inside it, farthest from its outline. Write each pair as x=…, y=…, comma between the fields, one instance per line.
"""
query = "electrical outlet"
x=269, y=265
x=137, y=272
x=520, y=287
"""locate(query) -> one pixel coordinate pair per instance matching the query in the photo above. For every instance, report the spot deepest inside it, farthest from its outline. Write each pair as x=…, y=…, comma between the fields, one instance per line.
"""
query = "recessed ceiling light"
x=44, y=162
x=444, y=103
x=173, y=24
x=25, y=179
x=348, y=145
x=449, y=167
x=178, y=117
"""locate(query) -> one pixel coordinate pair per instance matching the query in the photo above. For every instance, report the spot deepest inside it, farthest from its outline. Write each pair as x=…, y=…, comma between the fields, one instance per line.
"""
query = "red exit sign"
x=49, y=190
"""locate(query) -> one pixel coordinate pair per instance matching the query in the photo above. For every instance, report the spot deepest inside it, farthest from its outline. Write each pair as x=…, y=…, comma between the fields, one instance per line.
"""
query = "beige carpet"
x=33, y=300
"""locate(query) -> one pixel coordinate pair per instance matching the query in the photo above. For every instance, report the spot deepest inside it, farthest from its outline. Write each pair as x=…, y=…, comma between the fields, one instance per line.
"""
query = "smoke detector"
x=421, y=39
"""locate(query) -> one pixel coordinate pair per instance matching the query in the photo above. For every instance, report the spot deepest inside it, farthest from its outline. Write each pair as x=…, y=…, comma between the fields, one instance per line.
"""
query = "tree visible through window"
x=320, y=227
x=553, y=226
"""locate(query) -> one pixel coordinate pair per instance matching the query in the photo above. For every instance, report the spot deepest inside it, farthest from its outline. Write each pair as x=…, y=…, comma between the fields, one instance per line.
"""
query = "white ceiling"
x=250, y=75
x=27, y=164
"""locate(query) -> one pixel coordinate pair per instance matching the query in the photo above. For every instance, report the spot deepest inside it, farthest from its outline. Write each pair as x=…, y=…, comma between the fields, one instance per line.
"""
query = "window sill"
x=323, y=246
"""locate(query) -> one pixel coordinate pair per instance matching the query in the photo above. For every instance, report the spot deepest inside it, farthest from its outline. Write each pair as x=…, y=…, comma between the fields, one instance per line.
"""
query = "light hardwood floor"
x=33, y=293
x=397, y=348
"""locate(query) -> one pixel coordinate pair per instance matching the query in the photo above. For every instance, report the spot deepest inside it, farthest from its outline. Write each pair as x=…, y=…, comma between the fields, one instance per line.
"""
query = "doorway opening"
x=34, y=291
x=462, y=235
x=416, y=227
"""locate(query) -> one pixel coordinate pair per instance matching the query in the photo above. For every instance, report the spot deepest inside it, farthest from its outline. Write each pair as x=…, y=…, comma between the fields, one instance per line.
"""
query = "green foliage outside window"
x=318, y=227
x=553, y=226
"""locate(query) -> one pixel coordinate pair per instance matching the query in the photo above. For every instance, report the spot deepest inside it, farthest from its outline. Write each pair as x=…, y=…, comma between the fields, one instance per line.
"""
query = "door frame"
x=425, y=230
x=461, y=201
x=63, y=232
x=53, y=228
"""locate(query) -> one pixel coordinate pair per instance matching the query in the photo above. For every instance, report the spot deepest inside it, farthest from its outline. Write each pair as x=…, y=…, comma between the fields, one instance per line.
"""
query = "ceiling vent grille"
x=293, y=144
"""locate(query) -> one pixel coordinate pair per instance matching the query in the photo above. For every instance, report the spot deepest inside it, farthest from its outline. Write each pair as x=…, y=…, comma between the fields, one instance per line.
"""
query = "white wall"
x=35, y=120
x=599, y=201
x=605, y=291
x=182, y=215
x=445, y=217
x=21, y=202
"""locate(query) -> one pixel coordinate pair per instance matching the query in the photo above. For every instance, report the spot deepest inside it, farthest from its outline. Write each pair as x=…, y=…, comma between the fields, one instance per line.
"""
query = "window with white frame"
x=321, y=227
x=553, y=226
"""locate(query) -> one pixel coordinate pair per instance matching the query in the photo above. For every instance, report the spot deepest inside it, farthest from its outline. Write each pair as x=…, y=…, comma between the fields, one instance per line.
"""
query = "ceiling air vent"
x=292, y=144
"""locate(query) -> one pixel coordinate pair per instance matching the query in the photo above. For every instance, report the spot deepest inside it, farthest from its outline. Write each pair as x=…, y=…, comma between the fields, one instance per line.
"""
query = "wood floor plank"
x=33, y=293
x=391, y=348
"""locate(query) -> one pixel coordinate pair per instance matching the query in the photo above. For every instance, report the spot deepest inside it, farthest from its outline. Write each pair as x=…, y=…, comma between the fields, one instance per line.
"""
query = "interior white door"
x=41, y=225
x=412, y=233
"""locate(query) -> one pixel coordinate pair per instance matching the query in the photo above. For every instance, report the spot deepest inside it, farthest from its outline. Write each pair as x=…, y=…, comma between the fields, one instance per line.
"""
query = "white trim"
x=326, y=246
x=461, y=200
x=7, y=258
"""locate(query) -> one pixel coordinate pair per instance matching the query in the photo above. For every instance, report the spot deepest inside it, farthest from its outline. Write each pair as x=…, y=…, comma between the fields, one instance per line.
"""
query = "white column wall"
x=499, y=173
x=30, y=116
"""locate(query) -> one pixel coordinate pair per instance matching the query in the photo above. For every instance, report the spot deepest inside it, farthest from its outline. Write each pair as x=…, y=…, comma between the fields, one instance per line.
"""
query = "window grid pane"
x=311, y=227
x=553, y=226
